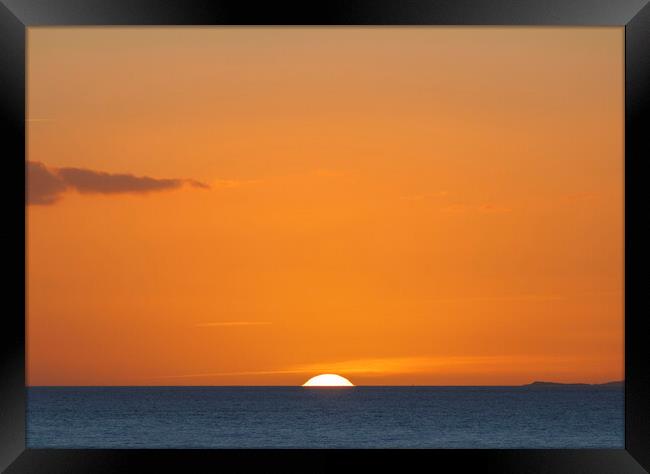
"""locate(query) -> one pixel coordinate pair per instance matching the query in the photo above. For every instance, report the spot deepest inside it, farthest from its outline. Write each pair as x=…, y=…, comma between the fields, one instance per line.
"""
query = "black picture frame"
x=17, y=15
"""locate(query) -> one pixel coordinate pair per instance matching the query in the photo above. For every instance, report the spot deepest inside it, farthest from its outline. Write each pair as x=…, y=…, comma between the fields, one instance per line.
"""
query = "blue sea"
x=297, y=417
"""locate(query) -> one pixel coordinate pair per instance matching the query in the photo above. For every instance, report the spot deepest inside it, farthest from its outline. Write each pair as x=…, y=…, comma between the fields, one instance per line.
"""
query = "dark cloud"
x=43, y=186
x=97, y=182
x=47, y=185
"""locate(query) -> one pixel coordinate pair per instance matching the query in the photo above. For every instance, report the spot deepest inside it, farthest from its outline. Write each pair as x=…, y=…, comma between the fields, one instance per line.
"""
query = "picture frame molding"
x=18, y=15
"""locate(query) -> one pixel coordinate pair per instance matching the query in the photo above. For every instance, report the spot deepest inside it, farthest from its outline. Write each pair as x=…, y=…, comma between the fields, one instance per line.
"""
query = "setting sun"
x=328, y=380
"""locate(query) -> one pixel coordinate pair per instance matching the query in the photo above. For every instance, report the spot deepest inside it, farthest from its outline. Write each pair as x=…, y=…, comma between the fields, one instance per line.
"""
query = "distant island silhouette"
x=541, y=384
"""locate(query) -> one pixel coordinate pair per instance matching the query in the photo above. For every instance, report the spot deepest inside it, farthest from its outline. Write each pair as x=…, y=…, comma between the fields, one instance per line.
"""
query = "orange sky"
x=428, y=206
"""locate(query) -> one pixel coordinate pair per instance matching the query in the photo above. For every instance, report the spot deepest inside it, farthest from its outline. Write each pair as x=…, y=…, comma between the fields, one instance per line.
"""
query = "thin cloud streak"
x=234, y=183
x=459, y=208
x=232, y=324
x=502, y=298
x=420, y=197
x=227, y=374
x=582, y=196
x=398, y=365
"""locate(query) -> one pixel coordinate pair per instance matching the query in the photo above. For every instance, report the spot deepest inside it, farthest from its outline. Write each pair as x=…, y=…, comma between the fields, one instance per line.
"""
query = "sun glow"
x=328, y=380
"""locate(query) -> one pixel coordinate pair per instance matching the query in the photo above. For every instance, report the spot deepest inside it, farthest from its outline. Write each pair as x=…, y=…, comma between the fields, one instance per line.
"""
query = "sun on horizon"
x=328, y=380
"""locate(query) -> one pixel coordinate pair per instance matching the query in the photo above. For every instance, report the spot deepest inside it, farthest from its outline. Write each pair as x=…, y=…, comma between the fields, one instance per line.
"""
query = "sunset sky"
x=255, y=206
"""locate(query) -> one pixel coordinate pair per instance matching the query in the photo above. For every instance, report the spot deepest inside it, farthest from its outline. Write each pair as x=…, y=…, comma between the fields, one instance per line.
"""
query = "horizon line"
x=300, y=386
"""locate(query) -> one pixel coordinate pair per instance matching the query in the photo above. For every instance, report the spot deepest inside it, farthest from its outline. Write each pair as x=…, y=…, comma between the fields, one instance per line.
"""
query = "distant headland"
x=539, y=384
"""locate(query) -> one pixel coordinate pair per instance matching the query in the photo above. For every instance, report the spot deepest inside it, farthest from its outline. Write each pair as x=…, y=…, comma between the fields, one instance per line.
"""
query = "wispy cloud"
x=482, y=208
x=227, y=374
x=328, y=173
x=581, y=196
x=233, y=324
x=493, y=208
x=47, y=185
x=381, y=366
x=455, y=208
x=501, y=298
x=197, y=184
x=234, y=183
x=420, y=197
x=397, y=365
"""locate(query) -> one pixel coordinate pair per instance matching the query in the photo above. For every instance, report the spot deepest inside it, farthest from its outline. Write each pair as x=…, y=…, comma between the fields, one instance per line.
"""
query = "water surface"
x=297, y=417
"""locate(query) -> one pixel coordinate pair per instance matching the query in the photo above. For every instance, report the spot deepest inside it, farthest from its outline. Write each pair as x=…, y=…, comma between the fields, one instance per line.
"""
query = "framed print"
x=266, y=235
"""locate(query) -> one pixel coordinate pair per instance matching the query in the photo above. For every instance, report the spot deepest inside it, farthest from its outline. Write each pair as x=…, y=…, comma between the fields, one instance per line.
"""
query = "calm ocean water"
x=296, y=417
